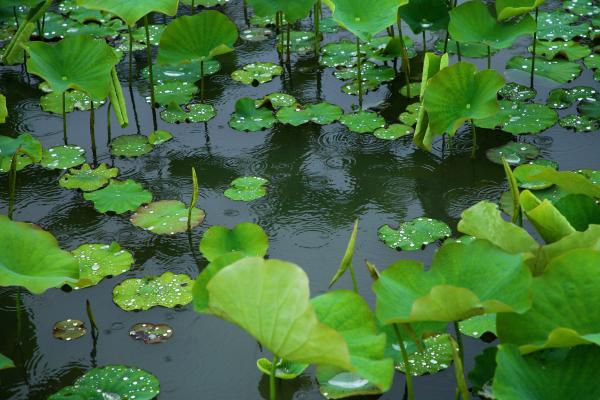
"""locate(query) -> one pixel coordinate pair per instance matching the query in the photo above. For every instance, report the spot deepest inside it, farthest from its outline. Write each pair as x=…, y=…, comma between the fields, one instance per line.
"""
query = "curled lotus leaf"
x=119, y=196
x=151, y=333
x=30, y=151
x=283, y=369
x=62, y=157
x=246, y=238
x=247, y=117
x=130, y=146
x=319, y=113
x=98, y=261
x=69, y=329
x=560, y=71
x=247, y=188
x=415, y=234
x=199, y=291
x=167, y=290
x=256, y=73
x=166, y=217
x=362, y=121
x=197, y=112
x=87, y=178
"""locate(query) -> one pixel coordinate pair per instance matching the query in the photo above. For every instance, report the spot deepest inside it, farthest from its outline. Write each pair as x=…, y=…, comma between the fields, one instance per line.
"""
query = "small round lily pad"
x=166, y=217
x=69, y=329
x=167, y=290
x=579, y=123
x=119, y=196
x=249, y=118
x=276, y=100
x=197, y=112
x=415, y=234
x=393, y=132
x=525, y=176
x=130, y=146
x=151, y=333
x=320, y=113
x=180, y=92
x=62, y=157
x=256, y=73
x=363, y=121
x=98, y=261
x=563, y=98
x=247, y=188
x=410, y=116
x=515, y=153
x=513, y=91
x=159, y=137
x=88, y=179
x=283, y=369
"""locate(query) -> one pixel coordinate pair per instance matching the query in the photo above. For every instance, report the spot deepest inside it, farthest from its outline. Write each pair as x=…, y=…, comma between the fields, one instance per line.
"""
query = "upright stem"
x=16, y=17
x=459, y=372
x=149, y=55
x=93, y=132
x=202, y=81
x=278, y=32
x=354, y=282
x=272, y=378
x=90, y=314
x=193, y=5
x=424, y=42
x=474, y=134
x=489, y=57
x=281, y=31
x=459, y=341
x=405, y=62
x=64, y=115
x=407, y=368
x=288, y=42
x=19, y=317
x=108, y=128
x=359, y=73
x=130, y=55
x=458, y=51
x=534, y=47
x=12, y=183
x=317, y=28
x=246, y=19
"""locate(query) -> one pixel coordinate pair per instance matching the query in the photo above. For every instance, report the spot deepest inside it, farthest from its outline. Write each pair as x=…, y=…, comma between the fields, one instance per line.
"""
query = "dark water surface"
x=321, y=180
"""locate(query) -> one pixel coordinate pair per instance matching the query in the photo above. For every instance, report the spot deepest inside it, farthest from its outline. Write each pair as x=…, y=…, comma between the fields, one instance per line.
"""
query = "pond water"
x=321, y=178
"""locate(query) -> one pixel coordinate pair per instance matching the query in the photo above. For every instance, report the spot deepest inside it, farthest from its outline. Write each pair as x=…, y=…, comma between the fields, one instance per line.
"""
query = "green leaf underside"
x=283, y=370
x=131, y=11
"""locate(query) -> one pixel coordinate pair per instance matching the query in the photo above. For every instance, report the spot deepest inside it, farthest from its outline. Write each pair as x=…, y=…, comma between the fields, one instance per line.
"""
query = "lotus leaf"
x=159, y=137
x=76, y=62
x=31, y=257
x=482, y=374
x=328, y=25
x=525, y=175
x=558, y=25
x=167, y=290
x=474, y=96
x=199, y=291
x=166, y=217
x=87, y=178
x=5, y=362
x=415, y=89
x=515, y=92
x=579, y=123
x=320, y=113
x=564, y=98
x=456, y=287
x=294, y=10
x=249, y=118
x=580, y=210
x=197, y=112
x=130, y=146
x=436, y=355
x=246, y=238
x=111, y=382
x=300, y=42
x=561, y=71
x=520, y=118
x=247, y=188
x=283, y=370
x=256, y=34
x=98, y=261
x=14, y=52
x=362, y=121
x=511, y=8
x=363, y=20
x=545, y=217
x=257, y=73
x=479, y=325
x=62, y=157
x=131, y=11
x=69, y=329
x=276, y=100
x=592, y=61
x=470, y=50
x=350, y=315
x=250, y=293
x=393, y=132
x=570, y=182
x=151, y=333
x=471, y=22
x=371, y=73
x=74, y=99
x=590, y=108
x=119, y=196
x=340, y=54
x=30, y=151
x=422, y=15
x=139, y=36
x=415, y=234
x=570, y=50
x=181, y=72
x=584, y=8
x=514, y=153
x=410, y=116
x=180, y=92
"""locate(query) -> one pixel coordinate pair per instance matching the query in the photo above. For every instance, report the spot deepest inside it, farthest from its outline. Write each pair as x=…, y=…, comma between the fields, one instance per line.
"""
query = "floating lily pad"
x=583, y=8
x=87, y=178
x=559, y=25
x=249, y=118
x=339, y=54
x=478, y=325
x=470, y=50
x=283, y=369
x=98, y=261
x=159, y=137
x=69, y=329
x=415, y=90
x=276, y=100
x=371, y=73
x=579, y=123
x=166, y=217
x=328, y=25
x=300, y=41
x=525, y=175
x=74, y=99
x=257, y=73
x=256, y=34
x=590, y=108
x=520, y=118
x=437, y=356
x=119, y=196
x=362, y=121
x=561, y=71
x=151, y=333
x=197, y=112
x=513, y=91
x=167, y=290
x=515, y=153
x=246, y=238
x=112, y=382
x=62, y=157
x=247, y=188
x=410, y=116
x=31, y=151
x=182, y=72
x=180, y=92
x=130, y=146
x=563, y=98
x=570, y=50
x=320, y=113
x=393, y=132
x=415, y=234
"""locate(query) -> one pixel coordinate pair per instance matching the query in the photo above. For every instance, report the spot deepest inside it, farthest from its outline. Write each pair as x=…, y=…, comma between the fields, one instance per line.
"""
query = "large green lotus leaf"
x=547, y=375
x=413, y=235
x=545, y=217
x=166, y=217
x=269, y=299
x=191, y=39
x=484, y=221
x=167, y=290
x=560, y=98
x=511, y=8
x=561, y=71
x=76, y=62
x=130, y=146
x=570, y=50
x=513, y=91
x=362, y=19
x=293, y=10
x=514, y=153
x=256, y=73
x=87, y=178
x=362, y=121
x=111, y=382
x=31, y=257
x=564, y=311
x=559, y=25
x=283, y=369
x=97, y=261
x=478, y=325
x=119, y=196
x=5, y=362
x=199, y=291
x=320, y=113
x=520, y=118
x=62, y=157
x=247, y=117
x=247, y=188
x=456, y=287
x=131, y=11
x=472, y=22
x=197, y=112
x=31, y=151
x=350, y=315
x=579, y=123
x=570, y=182
x=474, y=96
x=246, y=238
x=181, y=72
x=422, y=15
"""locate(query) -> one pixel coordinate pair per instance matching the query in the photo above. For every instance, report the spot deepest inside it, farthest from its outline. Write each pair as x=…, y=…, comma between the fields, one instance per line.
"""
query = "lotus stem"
x=150, y=73
x=19, y=317
x=43, y=25
x=193, y=5
x=202, y=81
x=405, y=61
x=424, y=42
x=407, y=368
x=461, y=350
x=446, y=41
x=93, y=132
x=64, y=115
x=16, y=17
x=246, y=19
x=194, y=200
x=458, y=52
x=130, y=55
x=354, y=282
x=289, y=42
x=90, y=314
x=272, y=378
x=474, y=135
x=489, y=57
x=459, y=373
x=317, y=28
x=537, y=11
x=12, y=183
x=108, y=128
x=281, y=31
x=359, y=73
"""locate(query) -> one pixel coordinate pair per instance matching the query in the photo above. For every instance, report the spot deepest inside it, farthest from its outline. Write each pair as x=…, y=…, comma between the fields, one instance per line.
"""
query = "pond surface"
x=321, y=178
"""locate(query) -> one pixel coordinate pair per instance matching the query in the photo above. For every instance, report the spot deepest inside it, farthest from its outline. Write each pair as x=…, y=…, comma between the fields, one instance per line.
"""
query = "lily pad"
x=362, y=121
x=276, y=101
x=257, y=73
x=151, y=333
x=559, y=25
x=513, y=91
x=437, y=356
x=74, y=99
x=410, y=116
x=180, y=92
x=98, y=261
x=526, y=177
x=415, y=234
x=561, y=71
x=181, y=72
x=62, y=157
x=69, y=329
x=563, y=98
x=320, y=113
x=478, y=325
x=300, y=41
x=167, y=290
x=119, y=196
x=256, y=34
x=166, y=217
x=583, y=8
x=197, y=112
x=579, y=123
x=393, y=132
x=87, y=178
x=520, y=118
x=31, y=151
x=159, y=137
x=415, y=90
x=293, y=10
x=283, y=369
x=130, y=146
x=515, y=153
x=246, y=238
x=470, y=50
x=570, y=50
x=249, y=118
x=247, y=188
